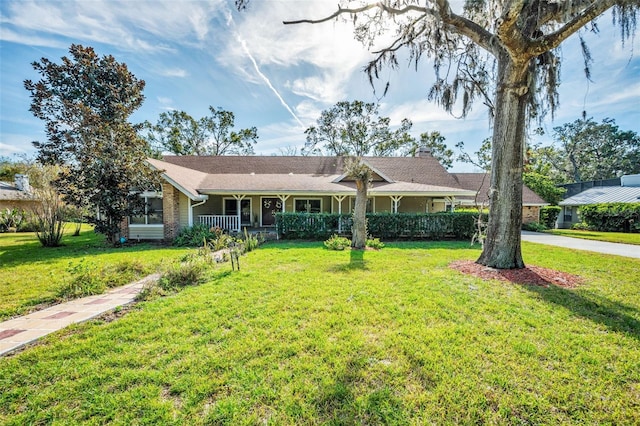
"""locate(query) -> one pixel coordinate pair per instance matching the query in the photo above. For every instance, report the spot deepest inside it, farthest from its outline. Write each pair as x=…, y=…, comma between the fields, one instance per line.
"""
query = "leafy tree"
x=436, y=144
x=9, y=168
x=179, y=133
x=504, y=52
x=353, y=130
x=586, y=150
x=85, y=102
x=544, y=186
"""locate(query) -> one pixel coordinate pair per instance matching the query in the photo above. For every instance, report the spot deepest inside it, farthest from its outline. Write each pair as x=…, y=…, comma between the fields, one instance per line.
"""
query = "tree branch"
x=553, y=40
x=457, y=23
x=466, y=27
x=354, y=11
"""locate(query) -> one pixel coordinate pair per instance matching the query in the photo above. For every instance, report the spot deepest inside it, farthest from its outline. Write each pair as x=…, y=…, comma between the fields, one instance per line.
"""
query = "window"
x=152, y=213
x=311, y=205
x=568, y=214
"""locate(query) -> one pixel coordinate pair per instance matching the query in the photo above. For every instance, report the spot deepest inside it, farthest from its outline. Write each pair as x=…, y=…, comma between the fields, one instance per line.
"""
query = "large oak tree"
x=85, y=102
x=502, y=51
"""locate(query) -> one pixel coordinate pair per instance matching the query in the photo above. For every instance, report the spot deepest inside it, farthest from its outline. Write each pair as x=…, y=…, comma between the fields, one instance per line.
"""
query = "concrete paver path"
x=628, y=250
x=20, y=331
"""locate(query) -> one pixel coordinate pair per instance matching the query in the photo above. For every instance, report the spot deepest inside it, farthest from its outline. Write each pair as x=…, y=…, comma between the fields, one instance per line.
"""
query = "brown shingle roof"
x=197, y=175
x=424, y=170
x=9, y=192
x=480, y=182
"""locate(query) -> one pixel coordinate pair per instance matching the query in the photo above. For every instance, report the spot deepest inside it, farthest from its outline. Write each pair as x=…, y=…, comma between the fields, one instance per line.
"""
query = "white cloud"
x=128, y=25
x=328, y=49
x=174, y=72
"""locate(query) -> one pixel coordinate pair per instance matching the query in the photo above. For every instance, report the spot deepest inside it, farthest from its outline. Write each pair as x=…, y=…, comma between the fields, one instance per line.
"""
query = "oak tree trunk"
x=502, y=245
x=359, y=228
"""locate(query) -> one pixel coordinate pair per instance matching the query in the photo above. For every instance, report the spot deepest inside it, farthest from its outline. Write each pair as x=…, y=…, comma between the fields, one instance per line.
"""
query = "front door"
x=270, y=206
x=245, y=212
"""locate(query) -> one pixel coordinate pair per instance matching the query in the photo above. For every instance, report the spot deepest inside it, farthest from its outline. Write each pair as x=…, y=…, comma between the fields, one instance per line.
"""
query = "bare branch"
x=354, y=11
x=553, y=40
x=466, y=27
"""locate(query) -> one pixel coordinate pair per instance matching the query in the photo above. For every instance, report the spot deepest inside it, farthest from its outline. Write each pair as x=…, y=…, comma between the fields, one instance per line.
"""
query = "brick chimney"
x=22, y=183
x=423, y=151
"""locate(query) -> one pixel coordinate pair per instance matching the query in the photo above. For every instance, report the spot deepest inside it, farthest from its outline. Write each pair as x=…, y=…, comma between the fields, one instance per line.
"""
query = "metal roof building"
x=604, y=194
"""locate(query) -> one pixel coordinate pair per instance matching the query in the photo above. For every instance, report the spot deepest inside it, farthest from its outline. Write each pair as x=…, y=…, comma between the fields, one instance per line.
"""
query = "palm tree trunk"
x=359, y=230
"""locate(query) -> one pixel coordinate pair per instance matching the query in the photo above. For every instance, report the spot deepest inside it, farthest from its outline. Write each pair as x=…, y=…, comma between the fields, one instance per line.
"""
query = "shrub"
x=581, y=226
x=193, y=236
x=87, y=278
x=11, y=219
x=534, y=226
x=250, y=241
x=185, y=274
x=612, y=217
x=221, y=240
x=549, y=215
x=375, y=243
x=337, y=242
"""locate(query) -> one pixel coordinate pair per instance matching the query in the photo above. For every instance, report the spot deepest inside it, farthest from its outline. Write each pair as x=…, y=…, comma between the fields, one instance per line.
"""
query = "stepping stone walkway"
x=20, y=331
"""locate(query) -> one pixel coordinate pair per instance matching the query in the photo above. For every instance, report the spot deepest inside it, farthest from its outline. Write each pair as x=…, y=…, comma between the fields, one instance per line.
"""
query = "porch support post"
x=451, y=200
x=189, y=212
x=396, y=200
x=283, y=198
x=239, y=198
x=339, y=199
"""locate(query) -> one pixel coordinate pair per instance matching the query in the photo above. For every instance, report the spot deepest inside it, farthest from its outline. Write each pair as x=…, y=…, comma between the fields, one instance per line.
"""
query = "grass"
x=612, y=237
x=304, y=335
x=32, y=275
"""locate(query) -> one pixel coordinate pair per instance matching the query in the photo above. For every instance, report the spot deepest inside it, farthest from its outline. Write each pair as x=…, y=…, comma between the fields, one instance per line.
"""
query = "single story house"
x=17, y=194
x=480, y=183
x=627, y=192
x=233, y=192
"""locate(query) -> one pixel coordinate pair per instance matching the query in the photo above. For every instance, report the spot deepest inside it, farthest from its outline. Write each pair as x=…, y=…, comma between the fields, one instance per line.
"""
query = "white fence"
x=227, y=222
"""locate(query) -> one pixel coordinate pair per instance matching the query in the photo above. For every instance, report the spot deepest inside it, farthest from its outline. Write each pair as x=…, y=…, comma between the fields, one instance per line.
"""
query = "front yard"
x=303, y=335
x=32, y=275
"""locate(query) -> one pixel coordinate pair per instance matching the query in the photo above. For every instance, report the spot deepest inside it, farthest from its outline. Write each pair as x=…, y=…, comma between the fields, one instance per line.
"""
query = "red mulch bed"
x=530, y=275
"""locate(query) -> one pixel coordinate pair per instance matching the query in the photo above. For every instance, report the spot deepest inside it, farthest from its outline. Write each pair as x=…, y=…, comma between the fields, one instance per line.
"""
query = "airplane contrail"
x=230, y=22
x=267, y=81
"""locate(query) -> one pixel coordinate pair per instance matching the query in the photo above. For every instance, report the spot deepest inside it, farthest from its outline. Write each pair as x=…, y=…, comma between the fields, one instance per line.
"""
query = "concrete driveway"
x=627, y=250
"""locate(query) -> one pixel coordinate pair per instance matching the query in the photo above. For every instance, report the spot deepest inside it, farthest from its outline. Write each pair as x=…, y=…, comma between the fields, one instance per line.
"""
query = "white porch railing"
x=221, y=221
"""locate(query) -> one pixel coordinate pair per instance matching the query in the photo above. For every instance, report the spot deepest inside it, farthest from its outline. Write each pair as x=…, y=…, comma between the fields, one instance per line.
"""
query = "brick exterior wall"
x=171, y=211
x=530, y=214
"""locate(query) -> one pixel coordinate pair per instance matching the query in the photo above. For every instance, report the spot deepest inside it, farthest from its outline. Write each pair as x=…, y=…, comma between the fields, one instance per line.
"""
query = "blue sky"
x=279, y=78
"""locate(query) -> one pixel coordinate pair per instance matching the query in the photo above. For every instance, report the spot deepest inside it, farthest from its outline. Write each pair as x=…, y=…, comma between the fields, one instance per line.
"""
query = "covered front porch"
x=233, y=212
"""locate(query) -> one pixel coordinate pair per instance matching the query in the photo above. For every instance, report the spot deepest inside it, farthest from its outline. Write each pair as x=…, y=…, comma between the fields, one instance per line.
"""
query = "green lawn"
x=612, y=237
x=303, y=335
x=31, y=275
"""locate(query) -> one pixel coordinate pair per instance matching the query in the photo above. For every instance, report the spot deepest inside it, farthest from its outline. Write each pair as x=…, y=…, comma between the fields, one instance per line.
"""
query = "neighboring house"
x=17, y=194
x=233, y=192
x=480, y=183
x=628, y=191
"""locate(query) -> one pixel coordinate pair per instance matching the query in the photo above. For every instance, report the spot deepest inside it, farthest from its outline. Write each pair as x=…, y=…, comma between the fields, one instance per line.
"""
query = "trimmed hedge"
x=612, y=217
x=320, y=226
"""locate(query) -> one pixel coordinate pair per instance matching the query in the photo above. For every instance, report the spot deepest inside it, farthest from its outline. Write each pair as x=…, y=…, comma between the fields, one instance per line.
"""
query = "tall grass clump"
x=89, y=278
